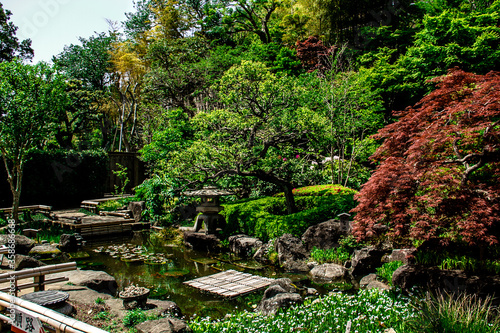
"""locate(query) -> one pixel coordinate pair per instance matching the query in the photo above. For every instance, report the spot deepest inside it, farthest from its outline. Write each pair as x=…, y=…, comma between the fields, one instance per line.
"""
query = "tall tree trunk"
x=290, y=200
x=14, y=177
x=16, y=194
x=15, y=205
x=285, y=185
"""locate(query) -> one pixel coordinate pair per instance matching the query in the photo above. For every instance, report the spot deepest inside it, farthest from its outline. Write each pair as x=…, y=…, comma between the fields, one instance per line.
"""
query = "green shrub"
x=337, y=255
x=49, y=232
x=137, y=316
x=109, y=206
x=319, y=190
x=112, y=205
x=122, y=175
x=161, y=200
x=444, y=313
x=386, y=270
x=266, y=218
x=349, y=243
x=446, y=260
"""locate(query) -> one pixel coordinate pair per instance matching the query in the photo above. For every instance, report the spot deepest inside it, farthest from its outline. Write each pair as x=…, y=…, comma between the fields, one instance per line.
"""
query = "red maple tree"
x=314, y=55
x=438, y=174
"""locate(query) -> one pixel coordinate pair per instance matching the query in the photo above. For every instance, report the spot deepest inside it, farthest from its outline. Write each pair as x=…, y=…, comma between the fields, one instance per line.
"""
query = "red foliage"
x=439, y=167
x=313, y=54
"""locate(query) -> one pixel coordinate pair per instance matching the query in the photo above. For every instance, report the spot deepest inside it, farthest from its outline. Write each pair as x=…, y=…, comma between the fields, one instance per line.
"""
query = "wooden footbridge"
x=89, y=225
x=230, y=283
x=106, y=223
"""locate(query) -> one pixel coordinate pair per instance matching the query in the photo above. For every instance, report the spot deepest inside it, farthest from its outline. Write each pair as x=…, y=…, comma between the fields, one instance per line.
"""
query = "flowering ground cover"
x=367, y=311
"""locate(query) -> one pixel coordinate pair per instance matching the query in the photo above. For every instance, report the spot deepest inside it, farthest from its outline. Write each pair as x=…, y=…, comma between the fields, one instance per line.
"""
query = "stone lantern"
x=209, y=208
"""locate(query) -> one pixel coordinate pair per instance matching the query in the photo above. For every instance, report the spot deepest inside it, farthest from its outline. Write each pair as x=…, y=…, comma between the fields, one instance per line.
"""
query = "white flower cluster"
x=367, y=311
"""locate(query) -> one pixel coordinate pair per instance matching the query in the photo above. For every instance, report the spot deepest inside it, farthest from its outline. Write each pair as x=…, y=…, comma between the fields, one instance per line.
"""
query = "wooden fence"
x=136, y=170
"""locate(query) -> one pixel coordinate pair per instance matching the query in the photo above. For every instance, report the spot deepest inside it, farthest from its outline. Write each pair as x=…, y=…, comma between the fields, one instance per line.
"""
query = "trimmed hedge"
x=61, y=178
x=320, y=190
x=266, y=218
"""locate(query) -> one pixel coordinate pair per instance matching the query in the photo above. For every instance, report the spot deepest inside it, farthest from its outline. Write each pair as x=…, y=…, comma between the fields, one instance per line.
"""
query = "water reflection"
x=163, y=267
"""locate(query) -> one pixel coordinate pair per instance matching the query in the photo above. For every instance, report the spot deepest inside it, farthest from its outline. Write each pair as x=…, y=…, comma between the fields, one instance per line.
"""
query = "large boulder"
x=137, y=207
x=324, y=235
x=263, y=252
x=95, y=280
x=403, y=255
x=329, y=273
x=284, y=283
x=433, y=278
x=244, y=246
x=202, y=242
x=69, y=243
x=23, y=244
x=365, y=260
x=171, y=309
x=163, y=325
x=375, y=284
x=366, y=280
x=291, y=253
x=22, y=262
x=279, y=295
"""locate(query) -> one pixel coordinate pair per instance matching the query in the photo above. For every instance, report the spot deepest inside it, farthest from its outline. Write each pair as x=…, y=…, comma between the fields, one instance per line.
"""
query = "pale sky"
x=52, y=24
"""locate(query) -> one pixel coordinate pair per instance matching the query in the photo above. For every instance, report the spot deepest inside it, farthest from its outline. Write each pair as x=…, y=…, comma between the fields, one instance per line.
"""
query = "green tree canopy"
x=10, y=47
x=264, y=121
x=464, y=37
x=88, y=62
x=31, y=99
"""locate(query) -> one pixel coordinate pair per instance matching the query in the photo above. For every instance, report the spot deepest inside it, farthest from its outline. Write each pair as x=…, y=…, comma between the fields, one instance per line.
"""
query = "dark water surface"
x=174, y=265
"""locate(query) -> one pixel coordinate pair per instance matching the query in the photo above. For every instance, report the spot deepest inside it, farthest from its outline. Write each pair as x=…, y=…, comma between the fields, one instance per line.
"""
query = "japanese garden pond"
x=163, y=267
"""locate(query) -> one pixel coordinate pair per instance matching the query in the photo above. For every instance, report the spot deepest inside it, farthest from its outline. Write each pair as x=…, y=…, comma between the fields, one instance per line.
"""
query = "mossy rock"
x=78, y=255
x=45, y=251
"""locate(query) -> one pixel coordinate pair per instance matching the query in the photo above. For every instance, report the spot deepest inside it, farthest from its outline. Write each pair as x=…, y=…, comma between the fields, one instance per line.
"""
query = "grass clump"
x=86, y=212
x=446, y=260
x=446, y=313
x=368, y=311
x=103, y=315
x=112, y=205
x=99, y=300
x=386, y=271
x=109, y=206
x=137, y=316
x=337, y=255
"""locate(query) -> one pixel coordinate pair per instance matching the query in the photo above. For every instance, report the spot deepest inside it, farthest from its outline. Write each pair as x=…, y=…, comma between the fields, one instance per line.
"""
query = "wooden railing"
x=38, y=275
x=34, y=208
x=59, y=322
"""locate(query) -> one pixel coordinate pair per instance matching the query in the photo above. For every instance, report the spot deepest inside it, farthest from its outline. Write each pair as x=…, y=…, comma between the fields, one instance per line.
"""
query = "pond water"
x=165, y=266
